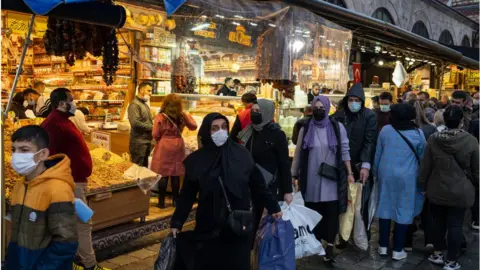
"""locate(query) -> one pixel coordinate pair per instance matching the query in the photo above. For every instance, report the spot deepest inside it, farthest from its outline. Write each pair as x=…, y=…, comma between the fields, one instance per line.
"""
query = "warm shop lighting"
x=380, y=63
x=200, y=27
x=297, y=45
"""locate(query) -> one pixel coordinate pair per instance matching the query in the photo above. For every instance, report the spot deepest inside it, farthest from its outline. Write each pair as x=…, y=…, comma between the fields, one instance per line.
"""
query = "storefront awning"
x=88, y=12
x=377, y=30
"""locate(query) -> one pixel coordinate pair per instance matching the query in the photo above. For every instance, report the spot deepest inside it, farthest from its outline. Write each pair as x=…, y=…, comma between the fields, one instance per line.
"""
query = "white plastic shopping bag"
x=144, y=177
x=298, y=199
x=359, y=233
x=304, y=221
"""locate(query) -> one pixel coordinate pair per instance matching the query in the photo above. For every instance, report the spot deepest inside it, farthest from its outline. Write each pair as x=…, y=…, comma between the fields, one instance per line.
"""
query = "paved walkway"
x=350, y=258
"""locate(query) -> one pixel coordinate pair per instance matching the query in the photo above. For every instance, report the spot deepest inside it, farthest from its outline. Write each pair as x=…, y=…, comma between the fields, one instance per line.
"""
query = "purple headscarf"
x=325, y=123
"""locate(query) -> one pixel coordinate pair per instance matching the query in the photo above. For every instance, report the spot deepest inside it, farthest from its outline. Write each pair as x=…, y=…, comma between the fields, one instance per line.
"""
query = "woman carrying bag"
x=226, y=179
x=322, y=165
x=169, y=151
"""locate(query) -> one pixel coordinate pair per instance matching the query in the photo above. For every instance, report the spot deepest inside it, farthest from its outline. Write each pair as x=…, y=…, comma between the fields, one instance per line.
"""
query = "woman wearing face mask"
x=322, y=147
x=396, y=167
x=421, y=119
x=169, y=151
x=268, y=146
x=221, y=167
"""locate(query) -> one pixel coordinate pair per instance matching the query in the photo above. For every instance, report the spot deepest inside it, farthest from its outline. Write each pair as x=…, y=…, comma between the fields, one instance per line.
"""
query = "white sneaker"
x=398, y=256
x=382, y=251
x=437, y=259
x=451, y=266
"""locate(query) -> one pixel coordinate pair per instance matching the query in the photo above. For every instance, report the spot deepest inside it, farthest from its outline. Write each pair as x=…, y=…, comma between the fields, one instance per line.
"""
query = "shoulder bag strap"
x=409, y=145
x=173, y=123
x=225, y=194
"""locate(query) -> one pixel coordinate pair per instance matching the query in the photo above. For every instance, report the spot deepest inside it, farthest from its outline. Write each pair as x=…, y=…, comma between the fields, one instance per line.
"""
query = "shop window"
x=446, y=38
x=465, y=41
x=383, y=15
x=420, y=29
x=340, y=3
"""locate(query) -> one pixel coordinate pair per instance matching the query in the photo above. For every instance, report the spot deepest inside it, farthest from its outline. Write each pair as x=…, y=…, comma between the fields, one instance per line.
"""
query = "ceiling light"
x=238, y=16
x=272, y=25
x=200, y=26
x=306, y=36
x=411, y=63
x=384, y=51
x=433, y=64
x=253, y=24
x=392, y=54
x=297, y=45
x=204, y=16
x=235, y=23
x=380, y=63
x=307, y=32
x=220, y=16
x=411, y=59
x=322, y=36
x=407, y=58
x=378, y=48
x=298, y=31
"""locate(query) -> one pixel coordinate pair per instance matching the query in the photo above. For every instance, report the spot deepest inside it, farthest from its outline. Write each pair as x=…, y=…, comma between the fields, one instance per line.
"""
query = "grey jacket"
x=141, y=122
x=449, y=170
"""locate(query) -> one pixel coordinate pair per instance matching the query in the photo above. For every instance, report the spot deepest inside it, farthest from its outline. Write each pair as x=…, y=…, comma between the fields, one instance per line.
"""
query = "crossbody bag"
x=409, y=145
x=239, y=221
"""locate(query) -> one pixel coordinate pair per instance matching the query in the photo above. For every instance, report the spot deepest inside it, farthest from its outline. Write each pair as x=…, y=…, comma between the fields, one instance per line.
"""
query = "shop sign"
x=206, y=33
x=357, y=72
x=19, y=22
x=101, y=139
x=240, y=37
x=473, y=77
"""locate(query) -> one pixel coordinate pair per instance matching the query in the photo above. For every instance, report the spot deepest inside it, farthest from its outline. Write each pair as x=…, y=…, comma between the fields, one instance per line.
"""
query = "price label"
x=101, y=139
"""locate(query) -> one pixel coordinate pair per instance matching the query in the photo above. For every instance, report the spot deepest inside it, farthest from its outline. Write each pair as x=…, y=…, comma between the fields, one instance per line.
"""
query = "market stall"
x=271, y=48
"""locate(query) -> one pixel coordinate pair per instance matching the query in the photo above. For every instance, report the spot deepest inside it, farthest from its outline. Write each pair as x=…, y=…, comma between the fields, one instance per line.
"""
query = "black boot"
x=162, y=191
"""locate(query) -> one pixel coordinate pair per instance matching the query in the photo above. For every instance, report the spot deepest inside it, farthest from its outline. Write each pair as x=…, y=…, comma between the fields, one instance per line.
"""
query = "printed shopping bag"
x=166, y=255
x=304, y=221
x=276, y=250
x=346, y=219
x=359, y=233
x=372, y=204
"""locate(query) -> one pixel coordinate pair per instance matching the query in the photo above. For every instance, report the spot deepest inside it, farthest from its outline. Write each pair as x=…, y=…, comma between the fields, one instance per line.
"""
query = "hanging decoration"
x=73, y=40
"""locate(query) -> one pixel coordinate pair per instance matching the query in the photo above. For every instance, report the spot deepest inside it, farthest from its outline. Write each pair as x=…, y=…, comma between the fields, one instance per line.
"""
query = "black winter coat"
x=270, y=150
x=362, y=130
x=342, y=184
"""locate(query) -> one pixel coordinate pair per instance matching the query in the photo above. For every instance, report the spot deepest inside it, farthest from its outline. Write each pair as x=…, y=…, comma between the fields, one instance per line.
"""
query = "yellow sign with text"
x=240, y=37
x=18, y=23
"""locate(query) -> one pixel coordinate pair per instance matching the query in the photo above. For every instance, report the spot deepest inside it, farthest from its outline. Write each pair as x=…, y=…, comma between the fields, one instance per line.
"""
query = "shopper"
x=79, y=120
x=243, y=117
x=399, y=149
x=438, y=120
x=459, y=98
x=39, y=86
x=44, y=233
x=17, y=106
x=376, y=102
x=268, y=146
x=383, y=112
x=314, y=92
x=361, y=125
x=169, y=151
x=421, y=119
x=449, y=176
x=30, y=97
x=323, y=143
x=301, y=122
x=220, y=159
x=141, y=123
x=226, y=89
x=66, y=138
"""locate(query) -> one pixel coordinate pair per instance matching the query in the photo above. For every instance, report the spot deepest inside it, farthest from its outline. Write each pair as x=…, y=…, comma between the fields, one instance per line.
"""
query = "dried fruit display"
x=73, y=40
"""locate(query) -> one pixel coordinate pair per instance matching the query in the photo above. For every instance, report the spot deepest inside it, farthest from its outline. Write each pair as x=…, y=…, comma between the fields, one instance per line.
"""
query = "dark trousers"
x=162, y=189
x=139, y=153
x=427, y=222
x=448, y=220
x=398, y=235
x=327, y=229
x=475, y=208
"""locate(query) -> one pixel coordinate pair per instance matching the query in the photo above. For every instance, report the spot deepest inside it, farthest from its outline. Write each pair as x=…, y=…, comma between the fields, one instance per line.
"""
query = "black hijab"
x=230, y=161
x=402, y=116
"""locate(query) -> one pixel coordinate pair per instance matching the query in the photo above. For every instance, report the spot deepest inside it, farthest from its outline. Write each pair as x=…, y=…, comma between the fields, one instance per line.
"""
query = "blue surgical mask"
x=354, y=106
x=385, y=108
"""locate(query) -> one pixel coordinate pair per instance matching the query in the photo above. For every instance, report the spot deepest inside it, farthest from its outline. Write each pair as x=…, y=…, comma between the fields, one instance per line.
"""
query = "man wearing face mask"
x=44, y=234
x=361, y=125
x=30, y=98
x=383, y=112
x=141, y=122
x=66, y=138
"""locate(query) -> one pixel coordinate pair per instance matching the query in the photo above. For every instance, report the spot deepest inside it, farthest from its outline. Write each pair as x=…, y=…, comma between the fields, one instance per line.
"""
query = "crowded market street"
x=142, y=253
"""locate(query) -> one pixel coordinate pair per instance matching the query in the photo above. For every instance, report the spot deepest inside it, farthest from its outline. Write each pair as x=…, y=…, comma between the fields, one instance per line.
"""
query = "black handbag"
x=239, y=221
x=328, y=171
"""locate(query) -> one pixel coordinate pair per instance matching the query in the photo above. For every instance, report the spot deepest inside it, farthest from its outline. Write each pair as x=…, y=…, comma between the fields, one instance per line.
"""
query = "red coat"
x=65, y=138
x=169, y=153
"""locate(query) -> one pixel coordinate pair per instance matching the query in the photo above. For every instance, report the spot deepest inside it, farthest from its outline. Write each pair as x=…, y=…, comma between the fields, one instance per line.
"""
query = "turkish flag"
x=357, y=72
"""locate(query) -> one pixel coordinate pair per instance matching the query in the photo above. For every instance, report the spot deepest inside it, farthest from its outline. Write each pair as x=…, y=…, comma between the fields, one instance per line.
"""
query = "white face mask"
x=220, y=137
x=23, y=163
x=73, y=108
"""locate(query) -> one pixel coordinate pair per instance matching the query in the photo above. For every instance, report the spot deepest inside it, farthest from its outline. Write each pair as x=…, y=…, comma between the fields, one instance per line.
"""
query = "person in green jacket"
x=449, y=176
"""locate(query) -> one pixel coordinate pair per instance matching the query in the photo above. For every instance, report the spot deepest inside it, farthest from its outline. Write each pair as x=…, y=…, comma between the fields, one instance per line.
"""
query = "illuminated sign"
x=240, y=37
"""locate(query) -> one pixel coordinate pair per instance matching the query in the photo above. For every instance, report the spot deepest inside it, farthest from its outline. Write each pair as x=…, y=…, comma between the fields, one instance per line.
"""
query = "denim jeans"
x=398, y=236
x=448, y=220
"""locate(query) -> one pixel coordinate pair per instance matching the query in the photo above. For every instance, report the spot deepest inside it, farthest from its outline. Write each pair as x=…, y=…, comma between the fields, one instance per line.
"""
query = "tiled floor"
x=350, y=258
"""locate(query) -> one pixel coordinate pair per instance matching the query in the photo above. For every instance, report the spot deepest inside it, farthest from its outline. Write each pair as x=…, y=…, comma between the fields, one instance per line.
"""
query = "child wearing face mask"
x=44, y=232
